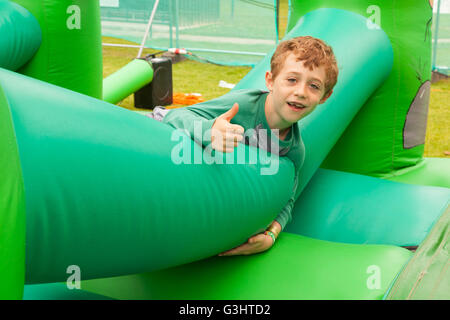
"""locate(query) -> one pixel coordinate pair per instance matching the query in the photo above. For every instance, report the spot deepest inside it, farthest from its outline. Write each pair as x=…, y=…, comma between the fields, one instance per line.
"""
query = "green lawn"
x=437, y=142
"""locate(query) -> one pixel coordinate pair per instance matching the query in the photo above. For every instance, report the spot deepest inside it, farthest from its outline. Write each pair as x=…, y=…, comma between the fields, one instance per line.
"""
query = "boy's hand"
x=258, y=243
x=224, y=135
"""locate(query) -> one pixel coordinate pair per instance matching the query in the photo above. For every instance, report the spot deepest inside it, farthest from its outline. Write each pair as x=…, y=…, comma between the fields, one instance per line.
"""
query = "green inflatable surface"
x=296, y=268
x=70, y=54
x=429, y=171
x=12, y=209
x=58, y=291
x=426, y=276
x=366, y=210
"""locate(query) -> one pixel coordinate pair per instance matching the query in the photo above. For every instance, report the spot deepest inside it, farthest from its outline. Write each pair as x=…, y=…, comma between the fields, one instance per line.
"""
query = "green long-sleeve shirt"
x=251, y=115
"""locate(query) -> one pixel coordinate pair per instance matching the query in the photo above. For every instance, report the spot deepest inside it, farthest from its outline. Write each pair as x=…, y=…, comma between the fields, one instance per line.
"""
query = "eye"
x=315, y=86
x=292, y=80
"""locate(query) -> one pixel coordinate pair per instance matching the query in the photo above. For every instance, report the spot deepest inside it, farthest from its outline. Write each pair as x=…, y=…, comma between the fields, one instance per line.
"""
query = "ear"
x=269, y=80
x=325, y=97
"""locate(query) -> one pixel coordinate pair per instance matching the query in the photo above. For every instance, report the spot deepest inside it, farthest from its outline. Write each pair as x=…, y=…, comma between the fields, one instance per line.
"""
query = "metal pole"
x=150, y=21
x=277, y=20
x=433, y=65
x=170, y=23
x=177, y=17
x=232, y=9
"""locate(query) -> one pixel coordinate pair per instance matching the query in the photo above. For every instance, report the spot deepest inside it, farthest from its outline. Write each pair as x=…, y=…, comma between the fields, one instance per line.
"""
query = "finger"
x=232, y=252
x=245, y=248
x=231, y=113
x=229, y=145
x=235, y=128
x=233, y=137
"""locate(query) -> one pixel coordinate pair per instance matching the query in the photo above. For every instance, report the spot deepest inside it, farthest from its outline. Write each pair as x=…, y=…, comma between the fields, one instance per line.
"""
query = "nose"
x=300, y=90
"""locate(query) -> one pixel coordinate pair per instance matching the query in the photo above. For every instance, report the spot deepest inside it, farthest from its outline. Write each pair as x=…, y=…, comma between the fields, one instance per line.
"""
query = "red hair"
x=314, y=52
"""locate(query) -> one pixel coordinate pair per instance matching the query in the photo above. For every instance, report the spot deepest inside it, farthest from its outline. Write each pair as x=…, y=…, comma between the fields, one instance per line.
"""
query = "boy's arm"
x=219, y=132
x=263, y=241
x=285, y=215
x=197, y=123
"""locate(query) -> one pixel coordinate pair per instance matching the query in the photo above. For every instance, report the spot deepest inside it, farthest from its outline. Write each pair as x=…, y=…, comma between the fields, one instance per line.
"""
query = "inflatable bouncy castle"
x=80, y=175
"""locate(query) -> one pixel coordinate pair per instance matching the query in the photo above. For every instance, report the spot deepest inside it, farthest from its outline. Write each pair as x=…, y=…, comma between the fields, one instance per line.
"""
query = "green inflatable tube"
x=366, y=210
x=20, y=35
x=71, y=36
x=12, y=209
x=296, y=268
x=103, y=183
x=127, y=80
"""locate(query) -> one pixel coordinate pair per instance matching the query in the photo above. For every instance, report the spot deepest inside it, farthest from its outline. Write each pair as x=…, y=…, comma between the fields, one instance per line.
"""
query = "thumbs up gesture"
x=224, y=135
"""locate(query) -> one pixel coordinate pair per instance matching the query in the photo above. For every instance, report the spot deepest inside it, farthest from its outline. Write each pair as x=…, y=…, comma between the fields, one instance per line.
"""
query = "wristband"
x=270, y=233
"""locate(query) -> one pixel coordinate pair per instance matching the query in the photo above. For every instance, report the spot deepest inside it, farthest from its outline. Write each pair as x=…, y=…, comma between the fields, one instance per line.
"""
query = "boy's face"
x=294, y=93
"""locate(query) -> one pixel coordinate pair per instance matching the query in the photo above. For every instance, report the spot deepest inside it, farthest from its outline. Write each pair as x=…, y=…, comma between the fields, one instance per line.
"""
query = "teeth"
x=296, y=105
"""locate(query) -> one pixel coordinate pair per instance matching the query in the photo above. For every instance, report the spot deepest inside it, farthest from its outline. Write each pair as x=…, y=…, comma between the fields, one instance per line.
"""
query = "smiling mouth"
x=296, y=106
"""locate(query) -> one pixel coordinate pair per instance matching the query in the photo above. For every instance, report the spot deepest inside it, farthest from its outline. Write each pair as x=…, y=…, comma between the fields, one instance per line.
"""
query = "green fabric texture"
x=12, y=209
x=127, y=80
x=296, y=268
x=366, y=210
x=371, y=54
x=427, y=276
x=389, y=132
x=104, y=183
x=20, y=35
x=70, y=55
x=429, y=172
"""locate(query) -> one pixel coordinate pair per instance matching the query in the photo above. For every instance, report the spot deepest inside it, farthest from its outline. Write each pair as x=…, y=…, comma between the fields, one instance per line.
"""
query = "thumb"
x=231, y=113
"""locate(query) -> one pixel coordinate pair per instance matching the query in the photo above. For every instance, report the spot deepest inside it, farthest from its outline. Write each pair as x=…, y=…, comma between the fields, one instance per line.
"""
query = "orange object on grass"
x=187, y=98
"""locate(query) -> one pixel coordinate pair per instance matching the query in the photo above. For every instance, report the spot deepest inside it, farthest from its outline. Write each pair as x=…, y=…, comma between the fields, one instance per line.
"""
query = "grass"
x=437, y=140
x=195, y=77
x=188, y=76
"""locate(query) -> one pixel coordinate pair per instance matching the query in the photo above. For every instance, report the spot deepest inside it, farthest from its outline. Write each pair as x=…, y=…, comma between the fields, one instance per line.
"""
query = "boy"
x=303, y=74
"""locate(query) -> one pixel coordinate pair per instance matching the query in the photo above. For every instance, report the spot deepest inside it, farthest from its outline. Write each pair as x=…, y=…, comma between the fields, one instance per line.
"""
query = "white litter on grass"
x=224, y=84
